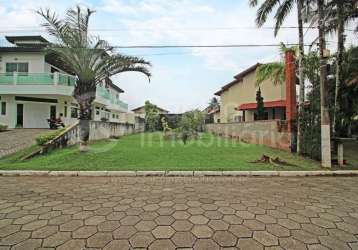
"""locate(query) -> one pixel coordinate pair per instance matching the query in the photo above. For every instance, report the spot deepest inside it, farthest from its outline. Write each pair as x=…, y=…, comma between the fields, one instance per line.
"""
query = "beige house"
x=140, y=111
x=238, y=98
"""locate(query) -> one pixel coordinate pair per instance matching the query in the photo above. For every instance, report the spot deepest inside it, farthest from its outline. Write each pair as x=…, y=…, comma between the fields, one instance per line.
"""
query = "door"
x=20, y=115
x=53, y=112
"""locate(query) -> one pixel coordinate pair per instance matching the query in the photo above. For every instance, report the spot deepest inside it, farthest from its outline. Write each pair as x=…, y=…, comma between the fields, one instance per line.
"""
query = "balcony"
x=52, y=84
x=103, y=96
x=37, y=83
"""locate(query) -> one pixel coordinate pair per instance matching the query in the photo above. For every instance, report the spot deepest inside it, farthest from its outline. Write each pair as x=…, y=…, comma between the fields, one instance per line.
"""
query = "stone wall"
x=271, y=133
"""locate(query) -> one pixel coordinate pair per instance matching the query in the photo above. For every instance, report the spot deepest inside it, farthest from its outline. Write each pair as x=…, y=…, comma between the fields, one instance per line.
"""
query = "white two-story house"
x=34, y=87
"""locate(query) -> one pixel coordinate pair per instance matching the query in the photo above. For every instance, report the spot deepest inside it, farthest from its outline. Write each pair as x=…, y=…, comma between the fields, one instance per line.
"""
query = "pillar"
x=290, y=84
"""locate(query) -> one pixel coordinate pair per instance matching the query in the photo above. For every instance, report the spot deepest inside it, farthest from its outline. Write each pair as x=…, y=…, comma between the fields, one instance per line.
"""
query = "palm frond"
x=253, y=3
x=264, y=10
x=282, y=12
x=271, y=71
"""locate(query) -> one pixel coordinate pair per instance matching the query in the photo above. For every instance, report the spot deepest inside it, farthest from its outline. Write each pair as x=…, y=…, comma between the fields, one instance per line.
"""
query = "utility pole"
x=325, y=120
x=301, y=76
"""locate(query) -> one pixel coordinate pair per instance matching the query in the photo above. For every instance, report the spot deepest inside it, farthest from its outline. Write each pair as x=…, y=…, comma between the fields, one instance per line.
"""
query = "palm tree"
x=341, y=13
x=283, y=10
x=89, y=58
x=325, y=120
x=214, y=103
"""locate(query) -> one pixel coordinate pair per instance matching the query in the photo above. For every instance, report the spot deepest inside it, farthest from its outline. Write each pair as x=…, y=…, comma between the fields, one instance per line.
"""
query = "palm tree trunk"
x=84, y=93
x=84, y=119
x=340, y=50
x=301, y=76
x=325, y=120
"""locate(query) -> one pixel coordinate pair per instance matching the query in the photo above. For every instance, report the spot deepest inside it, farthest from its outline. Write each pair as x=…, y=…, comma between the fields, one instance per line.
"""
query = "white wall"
x=10, y=118
x=36, y=60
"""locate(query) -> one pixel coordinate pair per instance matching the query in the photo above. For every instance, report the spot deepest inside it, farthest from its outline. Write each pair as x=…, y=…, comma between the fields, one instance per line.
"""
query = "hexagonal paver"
x=162, y=244
x=180, y=215
x=183, y=239
x=333, y=243
x=145, y=225
x=94, y=220
x=44, y=232
x=278, y=230
x=304, y=236
x=233, y=219
x=291, y=243
x=117, y=244
x=84, y=232
x=265, y=238
x=213, y=215
x=141, y=240
x=56, y=239
x=205, y=244
x=28, y=244
x=264, y=218
x=124, y=232
x=240, y=231
x=164, y=220
x=9, y=229
x=323, y=223
x=165, y=211
x=182, y=225
x=249, y=244
x=202, y=231
x=99, y=240
x=217, y=225
x=198, y=219
x=71, y=225
x=34, y=225
x=289, y=224
x=130, y=220
x=73, y=244
x=225, y=239
x=163, y=232
x=254, y=224
x=108, y=226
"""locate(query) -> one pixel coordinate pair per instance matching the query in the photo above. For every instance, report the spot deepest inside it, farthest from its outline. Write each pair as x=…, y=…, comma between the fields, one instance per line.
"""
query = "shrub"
x=43, y=139
x=3, y=127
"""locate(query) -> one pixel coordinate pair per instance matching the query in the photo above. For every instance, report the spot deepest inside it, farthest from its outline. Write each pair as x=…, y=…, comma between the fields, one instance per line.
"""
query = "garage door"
x=36, y=115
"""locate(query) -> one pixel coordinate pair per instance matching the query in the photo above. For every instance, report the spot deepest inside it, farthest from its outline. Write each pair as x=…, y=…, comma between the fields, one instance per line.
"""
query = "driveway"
x=16, y=139
x=183, y=213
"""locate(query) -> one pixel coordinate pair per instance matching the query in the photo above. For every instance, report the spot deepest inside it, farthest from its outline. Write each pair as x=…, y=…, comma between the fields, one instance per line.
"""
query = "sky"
x=183, y=79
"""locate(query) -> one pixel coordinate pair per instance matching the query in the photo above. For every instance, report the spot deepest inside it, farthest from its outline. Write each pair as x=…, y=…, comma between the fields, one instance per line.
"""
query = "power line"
x=202, y=46
x=37, y=29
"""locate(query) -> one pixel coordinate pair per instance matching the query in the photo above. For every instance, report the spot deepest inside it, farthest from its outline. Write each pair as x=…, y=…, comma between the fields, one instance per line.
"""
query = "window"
x=3, y=108
x=65, y=111
x=17, y=67
x=74, y=112
x=113, y=116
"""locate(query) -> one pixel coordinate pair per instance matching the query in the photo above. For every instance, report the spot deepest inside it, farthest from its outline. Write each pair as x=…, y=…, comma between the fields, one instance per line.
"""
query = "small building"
x=35, y=86
x=140, y=111
x=238, y=98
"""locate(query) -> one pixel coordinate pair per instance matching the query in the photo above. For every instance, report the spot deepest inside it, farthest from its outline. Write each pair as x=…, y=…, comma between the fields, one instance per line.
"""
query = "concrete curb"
x=180, y=173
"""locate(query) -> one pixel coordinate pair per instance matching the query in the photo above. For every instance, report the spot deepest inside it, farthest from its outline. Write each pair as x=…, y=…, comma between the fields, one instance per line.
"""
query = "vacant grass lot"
x=152, y=152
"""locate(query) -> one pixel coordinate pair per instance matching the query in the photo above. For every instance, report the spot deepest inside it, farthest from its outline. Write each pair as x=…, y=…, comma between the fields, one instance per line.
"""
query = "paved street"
x=187, y=213
x=16, y=139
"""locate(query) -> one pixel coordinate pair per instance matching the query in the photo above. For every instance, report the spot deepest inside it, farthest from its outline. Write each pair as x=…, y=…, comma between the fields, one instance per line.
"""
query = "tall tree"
x=91, y=59
x=283, y=10
x=325, y=119
x=260, y=108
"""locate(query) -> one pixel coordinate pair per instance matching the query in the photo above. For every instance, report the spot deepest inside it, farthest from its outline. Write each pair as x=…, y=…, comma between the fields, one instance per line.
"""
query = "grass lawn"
x=151, y=152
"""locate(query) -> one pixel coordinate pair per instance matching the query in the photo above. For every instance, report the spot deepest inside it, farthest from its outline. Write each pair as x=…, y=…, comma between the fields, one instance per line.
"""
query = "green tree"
x=283, y=9
x=151, y=116
x=214, y=103
x=89, y=58
x=260, y=108
x=192, y=123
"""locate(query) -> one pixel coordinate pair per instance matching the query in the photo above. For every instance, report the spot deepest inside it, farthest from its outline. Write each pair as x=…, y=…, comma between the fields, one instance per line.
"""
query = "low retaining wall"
x=271, y=133
x=98, y=130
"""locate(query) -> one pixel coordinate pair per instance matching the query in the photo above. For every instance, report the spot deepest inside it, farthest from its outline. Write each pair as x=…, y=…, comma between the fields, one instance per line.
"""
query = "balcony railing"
x=104, y=93
x=17, y=78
